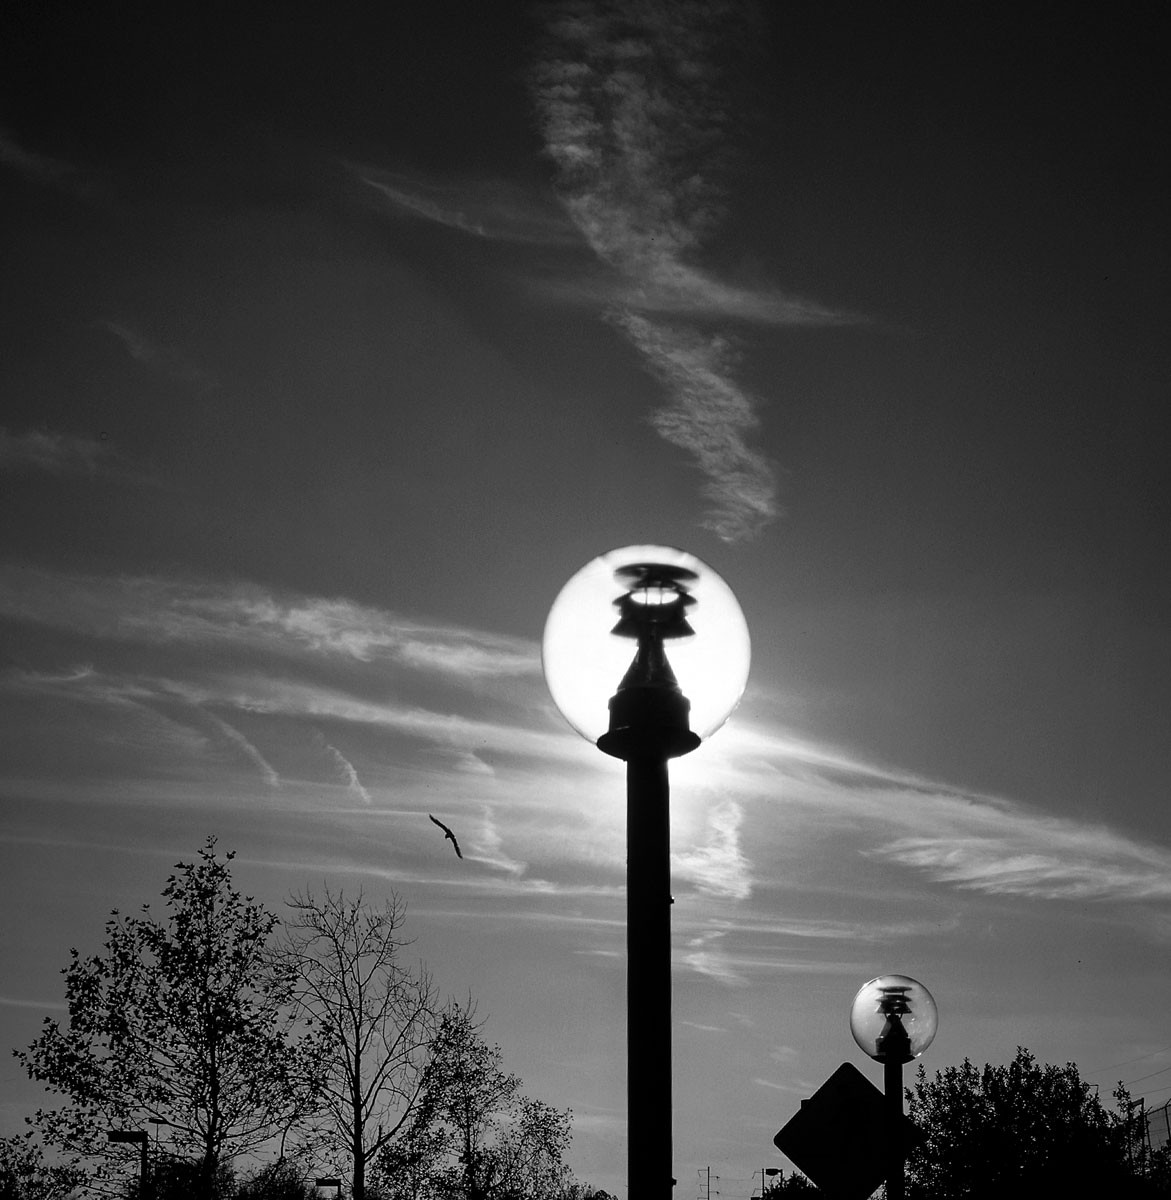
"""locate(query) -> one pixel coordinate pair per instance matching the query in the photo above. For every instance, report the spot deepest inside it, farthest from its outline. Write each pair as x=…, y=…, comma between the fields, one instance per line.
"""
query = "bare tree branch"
x=374, y=1016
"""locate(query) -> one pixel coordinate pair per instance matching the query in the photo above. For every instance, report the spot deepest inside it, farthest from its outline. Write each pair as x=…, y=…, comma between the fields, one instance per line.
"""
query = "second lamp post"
x=894, y=1019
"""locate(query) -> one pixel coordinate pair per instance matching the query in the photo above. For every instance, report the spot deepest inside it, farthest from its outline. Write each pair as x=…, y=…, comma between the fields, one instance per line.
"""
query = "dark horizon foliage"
x=1022, y=1130
x=316, y=1045
x=476, y=1135
x=184, y=1017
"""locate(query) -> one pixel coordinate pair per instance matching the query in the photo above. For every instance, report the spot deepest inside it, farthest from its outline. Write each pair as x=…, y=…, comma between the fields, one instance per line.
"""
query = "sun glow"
x=584, y=660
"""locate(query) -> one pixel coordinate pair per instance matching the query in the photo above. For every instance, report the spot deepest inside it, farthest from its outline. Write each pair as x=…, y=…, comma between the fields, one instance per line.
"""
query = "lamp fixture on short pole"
x=894, y=1019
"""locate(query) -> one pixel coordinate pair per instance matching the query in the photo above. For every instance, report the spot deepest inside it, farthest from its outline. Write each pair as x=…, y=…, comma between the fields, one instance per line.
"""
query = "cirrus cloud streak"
x=632, y=106
x=269, y=685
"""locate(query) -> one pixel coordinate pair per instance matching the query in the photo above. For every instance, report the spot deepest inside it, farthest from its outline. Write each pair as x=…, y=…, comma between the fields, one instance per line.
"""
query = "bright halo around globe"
x=585, y=660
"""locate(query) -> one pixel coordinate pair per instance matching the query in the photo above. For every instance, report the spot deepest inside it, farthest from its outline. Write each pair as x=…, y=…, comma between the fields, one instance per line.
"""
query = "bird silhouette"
x=449, y=835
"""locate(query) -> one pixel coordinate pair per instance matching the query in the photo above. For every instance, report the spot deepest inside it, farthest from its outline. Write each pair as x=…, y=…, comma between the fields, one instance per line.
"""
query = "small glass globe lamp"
x=894, y=1018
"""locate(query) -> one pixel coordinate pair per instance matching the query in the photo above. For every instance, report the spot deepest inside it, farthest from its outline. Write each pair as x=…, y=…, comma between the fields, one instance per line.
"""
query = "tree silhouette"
x=200, y=1021
x=26, y=1175
x=1020, y=1130
x=280, y=1180
x=375, y=1020
x=788, y=1185
x=186, y=1018
x=476, y=1136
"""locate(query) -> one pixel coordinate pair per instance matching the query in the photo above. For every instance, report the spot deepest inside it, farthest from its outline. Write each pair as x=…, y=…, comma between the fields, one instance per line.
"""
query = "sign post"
x=841, y=1137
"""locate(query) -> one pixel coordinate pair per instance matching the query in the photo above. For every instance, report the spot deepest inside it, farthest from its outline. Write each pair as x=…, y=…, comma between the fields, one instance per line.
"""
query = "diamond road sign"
x=839, y=1137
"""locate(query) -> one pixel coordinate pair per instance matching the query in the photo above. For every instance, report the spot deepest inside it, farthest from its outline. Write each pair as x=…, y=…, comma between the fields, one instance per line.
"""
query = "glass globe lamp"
x=646, y=637
x=893, y=1018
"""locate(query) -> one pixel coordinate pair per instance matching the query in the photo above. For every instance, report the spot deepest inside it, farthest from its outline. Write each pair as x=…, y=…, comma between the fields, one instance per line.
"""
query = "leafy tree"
x=281, y=1180
x=583, y=1191
x=185, y=1018
x=1015, y=1131
x=1158, y=1171
x=408, y=1168
x=375, y=1020
x=26, y=1175
x=477, y=1137
x=171, y=1177
x=788, y=1185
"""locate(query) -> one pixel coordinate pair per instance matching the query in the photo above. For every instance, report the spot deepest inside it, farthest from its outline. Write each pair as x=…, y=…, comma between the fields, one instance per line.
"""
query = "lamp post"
x=667, y=596
x=157, y=1122
x=154, y=1170
x=894, y=1019
x=139, y=1137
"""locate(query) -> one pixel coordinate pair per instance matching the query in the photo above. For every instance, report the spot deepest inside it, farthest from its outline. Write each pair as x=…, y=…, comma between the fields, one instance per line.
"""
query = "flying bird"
x=449, y=835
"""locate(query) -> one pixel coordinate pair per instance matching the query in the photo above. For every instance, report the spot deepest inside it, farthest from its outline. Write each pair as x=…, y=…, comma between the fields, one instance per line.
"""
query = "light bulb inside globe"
x=645, y=616
x=894, y=1018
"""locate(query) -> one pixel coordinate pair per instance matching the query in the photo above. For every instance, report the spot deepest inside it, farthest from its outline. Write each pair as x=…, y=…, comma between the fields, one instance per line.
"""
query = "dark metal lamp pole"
x=137, y=1136
x=894, y=1019
x=893, y=1049
x=648, y=727
x=646, y=722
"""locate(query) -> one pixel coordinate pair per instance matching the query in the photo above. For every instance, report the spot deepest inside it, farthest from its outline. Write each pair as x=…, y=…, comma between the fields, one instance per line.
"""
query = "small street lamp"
x=136, y=1136
x=661, y=709
x=154, y=1171
x=894, y=1019
x=157, y=1122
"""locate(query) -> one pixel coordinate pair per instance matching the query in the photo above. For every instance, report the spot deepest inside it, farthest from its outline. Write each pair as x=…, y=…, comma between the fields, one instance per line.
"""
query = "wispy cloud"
x=703, y=1028
x=156, y=610
x=54, y=452
x=684, y=292
x=167, y=360
x=716, y=865
x=314, y=701
x=419, y=205
x=952, y=835
x=1046, y=858
x=717, y=951
x=349, y=771
x=796, y=1089
x=635, y=115
x=134, y=718
x=188, y=670
x=491, y=210
x=39, y=1005
x=709, y=418
x=246, y=748
x=39, y=168
x=705, y=954
x=488, y=845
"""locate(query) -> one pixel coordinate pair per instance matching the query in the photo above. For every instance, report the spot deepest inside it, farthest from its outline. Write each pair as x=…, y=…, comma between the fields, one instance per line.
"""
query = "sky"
x=337, y=338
